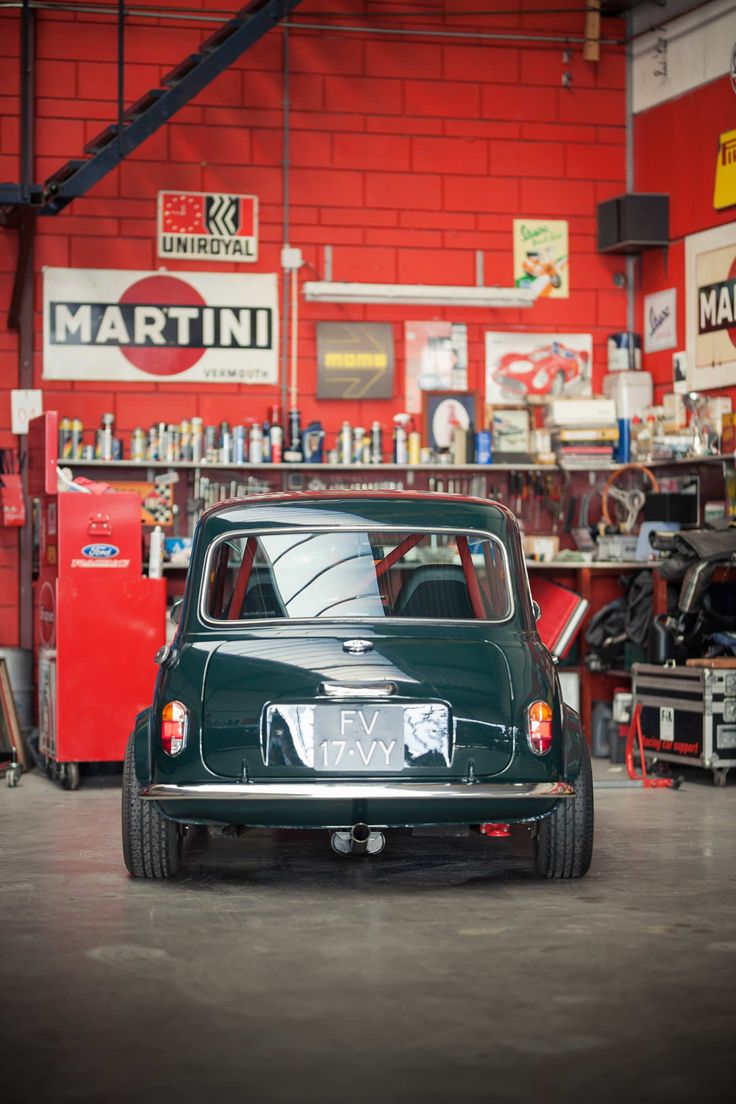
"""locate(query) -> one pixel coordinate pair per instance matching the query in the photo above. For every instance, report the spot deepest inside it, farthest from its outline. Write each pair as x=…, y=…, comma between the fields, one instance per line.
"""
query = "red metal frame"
x=471, y=578
x=646, y=780
x=241, y=583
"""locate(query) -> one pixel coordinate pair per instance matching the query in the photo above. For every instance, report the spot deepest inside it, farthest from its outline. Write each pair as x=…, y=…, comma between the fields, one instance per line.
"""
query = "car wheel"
x=558, y=384
x=563, y=845
x=151, y=842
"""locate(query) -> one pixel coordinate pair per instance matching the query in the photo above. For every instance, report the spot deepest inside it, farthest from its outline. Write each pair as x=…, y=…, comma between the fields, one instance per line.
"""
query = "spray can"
x=239, y=450
x=276, y=435
x=376, y=443
x=152, y=452
x=76, y=442
x=106, y=435
x=197, y=440
x=210, y=444
x=156, y=554
x=401, y=452
x=185, y=440
x=415, y=447
x=255, y=444
x=295, y=430
x=357, y=449
x=225, y=451
x=345, y=444
x=174, y=442
x=265, y=430
x=138, y=444
x=65, y=438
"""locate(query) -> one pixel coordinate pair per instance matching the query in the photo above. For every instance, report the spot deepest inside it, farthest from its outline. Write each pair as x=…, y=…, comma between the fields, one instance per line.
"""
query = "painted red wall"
x=407, y=157
x=675, y=150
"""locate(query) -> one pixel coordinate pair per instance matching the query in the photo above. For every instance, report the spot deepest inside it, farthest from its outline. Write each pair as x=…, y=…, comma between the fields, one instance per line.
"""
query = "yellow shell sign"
x=724, y=193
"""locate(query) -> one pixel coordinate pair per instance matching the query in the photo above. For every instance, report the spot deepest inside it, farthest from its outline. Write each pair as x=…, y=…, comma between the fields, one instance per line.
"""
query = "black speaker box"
x=630, y=223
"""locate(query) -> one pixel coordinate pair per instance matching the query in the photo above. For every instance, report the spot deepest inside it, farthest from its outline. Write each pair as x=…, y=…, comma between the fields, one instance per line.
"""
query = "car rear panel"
x=257, y=689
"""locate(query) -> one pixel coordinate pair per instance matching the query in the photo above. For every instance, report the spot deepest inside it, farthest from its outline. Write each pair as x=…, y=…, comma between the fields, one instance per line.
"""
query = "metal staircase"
x=152, y=110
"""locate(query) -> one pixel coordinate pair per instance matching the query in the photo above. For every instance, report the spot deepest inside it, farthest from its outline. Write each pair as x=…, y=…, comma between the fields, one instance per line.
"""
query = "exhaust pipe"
x=360, y=840
x=359, y=836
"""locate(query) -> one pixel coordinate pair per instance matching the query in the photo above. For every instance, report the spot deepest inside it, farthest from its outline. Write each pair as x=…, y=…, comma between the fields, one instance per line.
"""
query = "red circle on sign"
x=163, y=292
x=47, y=615
x=732, y=275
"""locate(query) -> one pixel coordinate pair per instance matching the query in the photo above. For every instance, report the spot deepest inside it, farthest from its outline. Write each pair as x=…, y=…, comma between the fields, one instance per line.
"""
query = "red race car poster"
x=523, y=366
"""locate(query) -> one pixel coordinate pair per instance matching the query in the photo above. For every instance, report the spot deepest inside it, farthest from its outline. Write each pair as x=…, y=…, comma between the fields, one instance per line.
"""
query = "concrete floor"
x=441, y=972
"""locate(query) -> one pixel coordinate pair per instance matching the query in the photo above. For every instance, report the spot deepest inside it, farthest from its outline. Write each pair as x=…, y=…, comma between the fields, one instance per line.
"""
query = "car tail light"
x=540, y=727
x=174, y=725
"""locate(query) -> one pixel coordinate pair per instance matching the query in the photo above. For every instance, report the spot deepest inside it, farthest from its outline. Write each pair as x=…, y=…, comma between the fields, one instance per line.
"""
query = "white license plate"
x=360, y=737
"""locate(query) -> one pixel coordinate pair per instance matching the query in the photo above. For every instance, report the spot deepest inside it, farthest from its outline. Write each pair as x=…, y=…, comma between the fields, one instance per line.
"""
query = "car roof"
x=395, y=509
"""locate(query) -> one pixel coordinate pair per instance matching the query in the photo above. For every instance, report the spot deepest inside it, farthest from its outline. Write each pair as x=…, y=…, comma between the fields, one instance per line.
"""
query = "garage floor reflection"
x=442, y=970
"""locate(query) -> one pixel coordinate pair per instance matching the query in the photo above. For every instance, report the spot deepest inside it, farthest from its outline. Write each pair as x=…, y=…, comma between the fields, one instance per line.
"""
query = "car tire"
x=151, y=842
x=563, y=844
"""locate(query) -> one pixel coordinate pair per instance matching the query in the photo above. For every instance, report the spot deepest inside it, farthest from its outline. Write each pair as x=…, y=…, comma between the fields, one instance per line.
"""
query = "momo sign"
x=162, y=327
x=208, y=224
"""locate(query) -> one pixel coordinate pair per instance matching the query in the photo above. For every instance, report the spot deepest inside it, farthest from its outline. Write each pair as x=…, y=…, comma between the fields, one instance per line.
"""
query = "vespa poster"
x=541, y=257
x=436, y=359
x=522, y=367
x=710, y=275
x=162, y=327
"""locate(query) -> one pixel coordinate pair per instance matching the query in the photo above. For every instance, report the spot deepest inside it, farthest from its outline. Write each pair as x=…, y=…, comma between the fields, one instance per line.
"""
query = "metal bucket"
x=19, y=663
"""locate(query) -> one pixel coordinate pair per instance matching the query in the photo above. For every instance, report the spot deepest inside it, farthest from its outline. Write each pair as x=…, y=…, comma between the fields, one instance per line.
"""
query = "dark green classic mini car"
x=357, y=662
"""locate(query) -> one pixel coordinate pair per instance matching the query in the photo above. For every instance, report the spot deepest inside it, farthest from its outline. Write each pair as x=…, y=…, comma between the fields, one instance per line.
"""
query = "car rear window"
x=358, y=573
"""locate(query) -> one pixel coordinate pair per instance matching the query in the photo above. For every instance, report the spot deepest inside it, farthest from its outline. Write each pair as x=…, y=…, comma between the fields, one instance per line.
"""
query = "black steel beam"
x=221, y=50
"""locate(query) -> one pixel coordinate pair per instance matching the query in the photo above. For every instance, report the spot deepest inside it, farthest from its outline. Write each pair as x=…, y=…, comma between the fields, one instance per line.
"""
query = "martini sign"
x=105, y=324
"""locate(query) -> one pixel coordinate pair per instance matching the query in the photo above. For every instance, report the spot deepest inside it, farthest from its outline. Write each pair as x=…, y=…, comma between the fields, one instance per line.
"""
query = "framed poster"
x=355, y=360
x=660, y=320
x=207, y=226
x=159, y=327
x=541, y=256
x=444, y=410
x=523, y=366
x=509, y=427
x=710, y=289
x=436, y=359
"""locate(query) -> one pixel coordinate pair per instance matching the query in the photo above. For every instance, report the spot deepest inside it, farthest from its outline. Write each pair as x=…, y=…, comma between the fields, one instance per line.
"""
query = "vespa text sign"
x=660, y=320
x=208, y=224
x=102, y=324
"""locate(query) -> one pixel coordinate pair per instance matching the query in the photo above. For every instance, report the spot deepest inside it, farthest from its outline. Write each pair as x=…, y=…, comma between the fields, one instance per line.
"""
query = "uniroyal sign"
x=208, y=224
x=104, y=324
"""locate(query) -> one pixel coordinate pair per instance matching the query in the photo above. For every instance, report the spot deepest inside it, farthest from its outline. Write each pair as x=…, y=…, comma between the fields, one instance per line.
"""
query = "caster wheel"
x=69, y=776
x=14, y=773
x=719, y=777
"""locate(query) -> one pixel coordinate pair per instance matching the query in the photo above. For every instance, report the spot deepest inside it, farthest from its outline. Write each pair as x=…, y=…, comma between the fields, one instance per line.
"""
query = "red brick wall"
x=675, y=152
x=407, y=157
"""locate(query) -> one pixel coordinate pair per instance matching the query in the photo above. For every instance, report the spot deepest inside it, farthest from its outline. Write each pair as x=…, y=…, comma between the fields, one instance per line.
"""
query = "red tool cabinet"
x=97, y=620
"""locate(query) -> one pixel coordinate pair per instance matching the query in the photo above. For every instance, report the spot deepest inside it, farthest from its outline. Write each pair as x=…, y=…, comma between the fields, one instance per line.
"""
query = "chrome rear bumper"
x=354, y=791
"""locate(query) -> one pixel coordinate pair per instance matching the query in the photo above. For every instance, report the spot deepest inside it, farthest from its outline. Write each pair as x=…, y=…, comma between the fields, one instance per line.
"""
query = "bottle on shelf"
x=156, y=554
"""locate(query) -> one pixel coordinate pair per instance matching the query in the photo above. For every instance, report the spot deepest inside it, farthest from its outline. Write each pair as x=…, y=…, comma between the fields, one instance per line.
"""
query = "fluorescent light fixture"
x=323, y=291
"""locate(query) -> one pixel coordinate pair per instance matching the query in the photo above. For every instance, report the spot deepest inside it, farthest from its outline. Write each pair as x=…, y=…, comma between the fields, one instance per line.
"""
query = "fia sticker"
x=666, y=724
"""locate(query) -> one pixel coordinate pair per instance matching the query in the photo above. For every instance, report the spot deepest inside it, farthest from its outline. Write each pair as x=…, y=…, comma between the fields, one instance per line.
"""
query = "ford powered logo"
x=100, y=551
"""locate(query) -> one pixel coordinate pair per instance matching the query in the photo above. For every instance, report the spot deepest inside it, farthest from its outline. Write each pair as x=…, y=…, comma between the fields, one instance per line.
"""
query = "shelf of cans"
x=191, y=441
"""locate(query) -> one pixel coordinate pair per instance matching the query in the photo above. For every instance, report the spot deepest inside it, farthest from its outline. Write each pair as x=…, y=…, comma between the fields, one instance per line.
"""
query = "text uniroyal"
x=144, y=324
